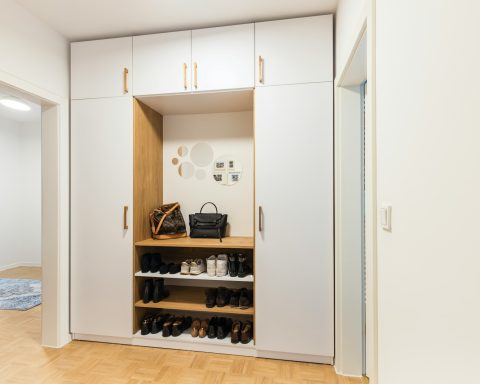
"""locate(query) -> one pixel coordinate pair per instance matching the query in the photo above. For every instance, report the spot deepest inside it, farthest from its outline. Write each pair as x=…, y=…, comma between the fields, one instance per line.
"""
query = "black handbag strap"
x=209, y=202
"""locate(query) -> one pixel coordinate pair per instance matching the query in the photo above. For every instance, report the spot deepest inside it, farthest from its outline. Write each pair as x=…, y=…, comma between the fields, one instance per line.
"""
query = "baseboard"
x=16, y=265
x=102, y=339
x=295, y=357
x=339, y=373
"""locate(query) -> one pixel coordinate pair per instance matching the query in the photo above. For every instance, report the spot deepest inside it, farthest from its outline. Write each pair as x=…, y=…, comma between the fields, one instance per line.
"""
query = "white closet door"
x=224, y=57
x=98, y=68
x=162, y=63
x=101, y=186
x=294, y=299
x=294, y=51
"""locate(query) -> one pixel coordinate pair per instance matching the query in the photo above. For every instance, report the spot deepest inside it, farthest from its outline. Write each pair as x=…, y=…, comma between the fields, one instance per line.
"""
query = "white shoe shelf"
x=202, y=276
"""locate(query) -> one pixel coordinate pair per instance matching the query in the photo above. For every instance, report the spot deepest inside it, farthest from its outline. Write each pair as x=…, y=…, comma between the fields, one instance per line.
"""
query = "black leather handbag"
x=208, y=225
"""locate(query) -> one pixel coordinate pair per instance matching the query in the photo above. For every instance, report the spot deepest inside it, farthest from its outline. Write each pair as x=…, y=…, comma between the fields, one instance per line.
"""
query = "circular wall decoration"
x=175, y=161
x=182, y=151
x=227, y=170
x=186, y=170
x=201, y=154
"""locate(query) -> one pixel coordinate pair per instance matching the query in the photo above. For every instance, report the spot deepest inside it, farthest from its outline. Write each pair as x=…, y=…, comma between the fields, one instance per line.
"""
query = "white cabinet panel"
x=224, y=57
x=98, y=68
x=162, y=63
x=294, y=298
x=294, y=51
x=101, y=185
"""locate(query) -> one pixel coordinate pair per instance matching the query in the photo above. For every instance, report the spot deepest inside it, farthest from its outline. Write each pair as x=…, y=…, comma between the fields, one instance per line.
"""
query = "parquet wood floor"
x=24, y=361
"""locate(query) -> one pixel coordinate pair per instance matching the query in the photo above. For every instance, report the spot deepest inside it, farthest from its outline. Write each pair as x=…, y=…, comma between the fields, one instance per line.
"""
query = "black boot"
x=212, y=328
x=223, y=328
x=156, y=262
x=147, y=291
x=234, y=297
x=245, y=300
x=243, y=268
x=146, y=263
x=223, y=296
x=232, y=265
x=159, y=290
x=158, y=321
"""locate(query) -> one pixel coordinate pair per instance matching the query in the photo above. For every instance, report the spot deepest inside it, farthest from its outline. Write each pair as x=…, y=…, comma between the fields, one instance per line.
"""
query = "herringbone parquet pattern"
x=24, y=361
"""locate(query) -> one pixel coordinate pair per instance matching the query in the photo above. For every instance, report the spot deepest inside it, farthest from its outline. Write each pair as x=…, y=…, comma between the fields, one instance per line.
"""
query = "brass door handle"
x=195, y=79
x=125, y=80
x=185, y=76
x=125, y=211
x=260, y=69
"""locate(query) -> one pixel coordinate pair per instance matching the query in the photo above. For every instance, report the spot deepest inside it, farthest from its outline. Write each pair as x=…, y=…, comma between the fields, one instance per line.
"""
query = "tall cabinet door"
x=101, y=68
x=223, y=58
x=294, y=299
x=294, y=51
x=162, y=63
x=101, y=226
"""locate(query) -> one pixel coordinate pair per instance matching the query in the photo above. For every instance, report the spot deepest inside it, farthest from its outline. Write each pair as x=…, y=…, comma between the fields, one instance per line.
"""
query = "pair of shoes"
x=219, y=327
x=242, y=332
x=199, y=328
x=217, y=296
x=171, y=268
x=242, y=298
x=151, y=262
x=193, y=267
x=175, y=326
x=237, y=265
x=154, y=290
x=152, y=323
x=217, y=265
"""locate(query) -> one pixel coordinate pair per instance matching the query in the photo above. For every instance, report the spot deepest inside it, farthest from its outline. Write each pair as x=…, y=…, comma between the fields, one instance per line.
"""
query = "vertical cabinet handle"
x=195, y=80
x=260, y=69
x=125, y=211
x=260, y=218
x=125, y=80
x=185, y=76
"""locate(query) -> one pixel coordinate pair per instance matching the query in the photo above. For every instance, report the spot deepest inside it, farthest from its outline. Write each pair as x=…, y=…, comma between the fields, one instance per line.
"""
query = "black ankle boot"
x=243, y=268
x=155, y=263
x=212, y=328
x=245, y=299
x=146, y=326
x=147, y=291
x=232, y=265
x=159, y=290
x=146, y=263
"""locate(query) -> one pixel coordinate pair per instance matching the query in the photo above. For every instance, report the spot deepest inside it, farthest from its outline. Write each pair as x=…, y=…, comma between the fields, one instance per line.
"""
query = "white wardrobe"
x=282, y=71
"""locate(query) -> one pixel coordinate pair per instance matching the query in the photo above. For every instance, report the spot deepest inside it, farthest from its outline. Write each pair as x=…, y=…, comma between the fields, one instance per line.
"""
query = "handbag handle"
x=208, y=202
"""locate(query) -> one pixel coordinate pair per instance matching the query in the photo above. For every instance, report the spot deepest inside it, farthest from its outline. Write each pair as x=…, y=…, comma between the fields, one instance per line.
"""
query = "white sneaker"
x=211, y=266
x=185, y=268
x=197, y=267
x=222, y=265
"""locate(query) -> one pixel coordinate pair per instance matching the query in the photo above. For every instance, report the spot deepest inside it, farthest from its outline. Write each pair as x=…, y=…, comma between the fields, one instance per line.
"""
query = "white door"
x=294, y=295
x=101, y=68
x=101, y=186
x=223, y=58
x=162, y=63
x=294, y=51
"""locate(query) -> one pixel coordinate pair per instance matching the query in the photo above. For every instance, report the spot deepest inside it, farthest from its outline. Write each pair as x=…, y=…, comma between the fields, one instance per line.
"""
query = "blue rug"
x=20, y=294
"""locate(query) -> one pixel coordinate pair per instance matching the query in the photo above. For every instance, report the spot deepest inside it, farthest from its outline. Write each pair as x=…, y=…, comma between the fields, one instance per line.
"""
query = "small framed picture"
x=234, y=177
x=231, y=164
x=219, y=165
x=218, y=177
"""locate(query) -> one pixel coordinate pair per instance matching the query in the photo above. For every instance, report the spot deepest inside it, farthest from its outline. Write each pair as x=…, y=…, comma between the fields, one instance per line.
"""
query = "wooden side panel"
x=147, y=180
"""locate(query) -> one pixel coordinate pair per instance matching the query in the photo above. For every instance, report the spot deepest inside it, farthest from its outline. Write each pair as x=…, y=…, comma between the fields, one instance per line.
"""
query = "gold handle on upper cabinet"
x=185, y=75
x=125, y=80
x=125, y=211
x=260, y=69
x=195, y=80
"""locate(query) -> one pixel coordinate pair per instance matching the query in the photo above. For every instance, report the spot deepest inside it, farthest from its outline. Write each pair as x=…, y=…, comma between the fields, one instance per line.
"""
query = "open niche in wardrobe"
x=191, y=149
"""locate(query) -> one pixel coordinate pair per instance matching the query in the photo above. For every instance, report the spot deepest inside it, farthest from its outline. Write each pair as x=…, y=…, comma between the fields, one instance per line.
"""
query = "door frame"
x=55, y=210
x=342, y=82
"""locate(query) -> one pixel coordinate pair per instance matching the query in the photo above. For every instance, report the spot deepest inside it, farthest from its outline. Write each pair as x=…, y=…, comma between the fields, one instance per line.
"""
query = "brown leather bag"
x=167, y=222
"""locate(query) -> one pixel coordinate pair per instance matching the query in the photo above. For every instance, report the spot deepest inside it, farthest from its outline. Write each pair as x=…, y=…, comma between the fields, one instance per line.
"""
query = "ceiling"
x=91, y=19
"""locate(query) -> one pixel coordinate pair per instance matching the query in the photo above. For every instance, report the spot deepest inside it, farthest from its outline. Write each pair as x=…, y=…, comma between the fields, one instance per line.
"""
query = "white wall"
x=428, y=127
x=20, y=194
x=227, y=134
x=349, y=17
x=31, y=50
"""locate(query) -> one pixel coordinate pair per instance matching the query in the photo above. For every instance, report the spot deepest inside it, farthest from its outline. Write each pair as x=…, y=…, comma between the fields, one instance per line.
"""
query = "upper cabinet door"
x=101, y=68
x=223, y=58
x=294, y=51
x=162, y=63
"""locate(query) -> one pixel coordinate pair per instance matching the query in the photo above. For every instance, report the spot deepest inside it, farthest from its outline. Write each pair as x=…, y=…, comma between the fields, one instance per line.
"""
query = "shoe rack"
x=187, y=292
